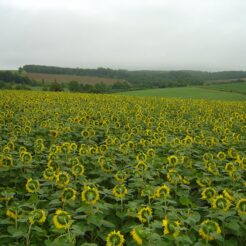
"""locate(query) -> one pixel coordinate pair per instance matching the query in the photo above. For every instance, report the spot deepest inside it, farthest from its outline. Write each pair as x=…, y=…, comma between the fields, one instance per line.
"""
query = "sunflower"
x=115, y=238
x=54, y=149
x=32, y=185
x=49, y=173
x=232, y=153
x=136, y=236
x=173, y=160
x=221, y=202
x=103, y=148
x=145, y=214
x=62, y=219
x=68, y=194
x=90, y=195
x=221, y=155
x=54, y=133
x=120, y=176
x=185, y=180
x=173, y=176
x=6, y=160
x=65, y=148
x=228, y=194
x=39, y=148
x=14, y=213
x=242, y=163
x=241, y=206
x=230, y=167
x=37, y=215
x=150, y=152
x=207, y=157
x=171, y=227
x=78, y=170
x=141, y=157
x=26, y=157
x=209, y=230
x=73, y=147
x=62, y=179
x=162, y=191
x=105, y=165
x=141, y=167
x=208, y=193
x=188, y=140
x=53, y=164
x=85, y=133
x=120, y=191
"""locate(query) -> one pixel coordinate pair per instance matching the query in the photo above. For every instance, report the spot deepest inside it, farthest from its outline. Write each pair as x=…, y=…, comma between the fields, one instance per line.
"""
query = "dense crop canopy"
x=78, y=169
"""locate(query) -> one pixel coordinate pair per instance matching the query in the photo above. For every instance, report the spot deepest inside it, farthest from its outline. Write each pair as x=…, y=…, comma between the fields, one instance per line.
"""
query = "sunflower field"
x=87, y=170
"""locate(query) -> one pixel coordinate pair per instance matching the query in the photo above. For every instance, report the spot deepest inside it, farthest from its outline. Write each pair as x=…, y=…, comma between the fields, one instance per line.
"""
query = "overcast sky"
x=130, y=34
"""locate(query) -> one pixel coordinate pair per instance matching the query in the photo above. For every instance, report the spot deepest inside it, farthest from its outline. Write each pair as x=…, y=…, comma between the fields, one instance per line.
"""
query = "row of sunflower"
x=79, y=169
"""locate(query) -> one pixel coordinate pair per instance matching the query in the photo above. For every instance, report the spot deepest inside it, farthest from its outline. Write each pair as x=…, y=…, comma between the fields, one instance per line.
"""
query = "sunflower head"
x=62, y=219
x=220, y=202
x=26, y=157
x=39, y=148
x=173, y=176
x=241, y=206
x=209, y=230
x=115, y=238
x=14, y=213
x=145, y=214
x=171, y=227
x=232, y=153
x=53, y=164
x=68, y=194
x=141, y=167
x=49, y=173
x=120, y=176
x=32, y=185
x=120, y=191
x=172, y=160
x=38, y=216
x=208, y=193
x=90, y=195
x=150, y=152
x=136, y=234
x=6, y=160
x=228, y=194
x=162, y=192
x=221, y=155
x=62, y=179
x=105, y=165
x=54, y=133
x=230, y=167
x=78, y=170
x=207, y=157
x=141, y=157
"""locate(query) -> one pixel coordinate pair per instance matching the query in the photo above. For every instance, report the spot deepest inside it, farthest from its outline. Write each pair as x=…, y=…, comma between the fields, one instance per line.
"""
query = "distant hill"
x=140, y=79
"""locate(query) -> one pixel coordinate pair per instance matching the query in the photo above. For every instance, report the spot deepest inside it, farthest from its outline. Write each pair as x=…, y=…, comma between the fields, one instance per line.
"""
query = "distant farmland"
x=48, y=78
x=189, y=92
x=239, y=87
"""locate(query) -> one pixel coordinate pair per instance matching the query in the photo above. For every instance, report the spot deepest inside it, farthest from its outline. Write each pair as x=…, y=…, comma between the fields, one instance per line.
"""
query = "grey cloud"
x=177, y=34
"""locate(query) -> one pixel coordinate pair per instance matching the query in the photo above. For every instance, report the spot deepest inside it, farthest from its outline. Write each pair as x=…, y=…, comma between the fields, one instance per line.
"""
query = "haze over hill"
x=140, y=34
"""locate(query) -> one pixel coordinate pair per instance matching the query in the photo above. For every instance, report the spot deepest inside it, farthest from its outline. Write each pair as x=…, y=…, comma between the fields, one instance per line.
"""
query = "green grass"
x=188, y=92
x=239, y=87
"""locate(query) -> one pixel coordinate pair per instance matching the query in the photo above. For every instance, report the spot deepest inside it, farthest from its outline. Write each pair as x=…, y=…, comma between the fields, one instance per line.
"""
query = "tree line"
x=142, y=78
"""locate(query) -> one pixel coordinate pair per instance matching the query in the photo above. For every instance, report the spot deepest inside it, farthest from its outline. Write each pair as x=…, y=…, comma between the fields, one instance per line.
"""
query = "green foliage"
x=151, y=171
